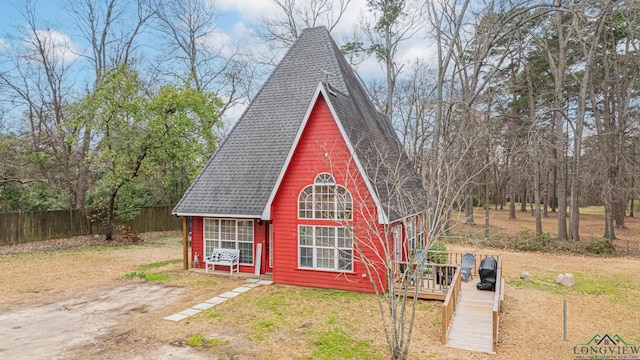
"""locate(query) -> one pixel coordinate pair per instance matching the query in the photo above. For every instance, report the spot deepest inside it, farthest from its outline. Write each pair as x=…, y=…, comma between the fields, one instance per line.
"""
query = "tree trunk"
x=468, y=205
x=619, y=210
x=609, y=232
x=486, y=206
x=545, y=197
x=536, y=198
x=512, y=201
x=523, y=196
x=557, y=62
x=110, y=225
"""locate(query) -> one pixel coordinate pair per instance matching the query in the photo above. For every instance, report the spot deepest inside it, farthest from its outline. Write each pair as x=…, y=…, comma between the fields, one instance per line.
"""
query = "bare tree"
x=610, y=91
x=111, y=28
x=375, y=242
x=199, y=53
x=589, y=38
x=414, y=106
x=391, y=23
x=37, y=80
x=283, y=28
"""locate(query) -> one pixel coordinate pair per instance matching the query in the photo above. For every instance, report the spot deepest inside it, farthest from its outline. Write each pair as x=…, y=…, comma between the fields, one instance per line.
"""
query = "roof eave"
x=213, y=215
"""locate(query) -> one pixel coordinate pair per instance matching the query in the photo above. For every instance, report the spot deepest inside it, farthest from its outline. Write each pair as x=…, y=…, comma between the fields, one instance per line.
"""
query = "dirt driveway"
x=76, y=303
x=52, y=331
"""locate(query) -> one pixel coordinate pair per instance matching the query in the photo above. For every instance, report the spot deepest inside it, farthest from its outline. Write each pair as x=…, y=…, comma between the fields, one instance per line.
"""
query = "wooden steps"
x=472, y=324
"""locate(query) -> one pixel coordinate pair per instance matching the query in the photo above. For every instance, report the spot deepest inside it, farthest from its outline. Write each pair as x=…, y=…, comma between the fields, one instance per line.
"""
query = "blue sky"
x=236, y=19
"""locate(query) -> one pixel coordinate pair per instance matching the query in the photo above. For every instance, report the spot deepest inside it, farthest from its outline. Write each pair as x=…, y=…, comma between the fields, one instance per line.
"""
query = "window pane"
x=246, y=253
x=245, y=230
x=209, y=245
x=344, y=203
x=227, y=230
x=345, y=262
x=306, y=257
x=325, y=178
x=305, y=236
x=325, y=202
x=228, y=245
x=344, y=238
x=211, y=229
x=325, y=236
x=326, y=258
x=305, y=203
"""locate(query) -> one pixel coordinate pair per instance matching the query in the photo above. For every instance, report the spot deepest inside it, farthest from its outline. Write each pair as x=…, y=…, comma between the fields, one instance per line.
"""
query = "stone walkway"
x=251, y=283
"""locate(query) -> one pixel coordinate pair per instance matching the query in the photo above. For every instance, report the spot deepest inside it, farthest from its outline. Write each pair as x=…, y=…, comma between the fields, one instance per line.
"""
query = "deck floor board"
x=472, y=324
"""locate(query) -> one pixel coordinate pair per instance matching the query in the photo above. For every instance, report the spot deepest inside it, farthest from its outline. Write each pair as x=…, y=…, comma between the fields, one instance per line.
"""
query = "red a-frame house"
x=309, y=172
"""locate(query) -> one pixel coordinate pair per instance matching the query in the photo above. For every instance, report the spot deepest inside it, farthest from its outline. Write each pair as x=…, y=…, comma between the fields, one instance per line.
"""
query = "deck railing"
x=448, y=257
x=497, y=302
x=450, y=303
x=427, y=280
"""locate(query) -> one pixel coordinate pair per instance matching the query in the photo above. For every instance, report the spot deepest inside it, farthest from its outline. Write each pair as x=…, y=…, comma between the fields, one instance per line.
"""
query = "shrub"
x=601, y=247
x=526, y=240
x=438, y=257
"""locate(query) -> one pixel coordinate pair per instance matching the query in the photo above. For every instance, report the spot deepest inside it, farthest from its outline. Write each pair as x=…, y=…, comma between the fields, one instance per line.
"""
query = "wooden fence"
x=20, y=228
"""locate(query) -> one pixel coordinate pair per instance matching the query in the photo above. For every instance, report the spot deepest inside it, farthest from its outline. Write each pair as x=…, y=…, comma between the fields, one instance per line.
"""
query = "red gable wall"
x=320, y=149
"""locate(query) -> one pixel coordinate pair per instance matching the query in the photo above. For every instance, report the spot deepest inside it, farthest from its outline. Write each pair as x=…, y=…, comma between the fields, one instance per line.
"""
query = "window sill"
x=327, y=270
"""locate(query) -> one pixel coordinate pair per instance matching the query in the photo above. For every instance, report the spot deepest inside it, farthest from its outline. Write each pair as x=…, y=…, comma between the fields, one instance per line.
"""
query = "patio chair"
x=468, y=263
x=422, y=266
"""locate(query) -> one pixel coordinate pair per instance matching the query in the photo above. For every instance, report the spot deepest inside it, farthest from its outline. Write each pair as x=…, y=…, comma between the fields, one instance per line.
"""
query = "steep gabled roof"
x=240, y=177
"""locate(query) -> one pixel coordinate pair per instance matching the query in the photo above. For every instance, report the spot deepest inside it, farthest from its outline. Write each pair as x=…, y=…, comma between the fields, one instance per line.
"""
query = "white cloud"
x=218, y=41
x=249, y=10
x=3, y=44
x=57, y=46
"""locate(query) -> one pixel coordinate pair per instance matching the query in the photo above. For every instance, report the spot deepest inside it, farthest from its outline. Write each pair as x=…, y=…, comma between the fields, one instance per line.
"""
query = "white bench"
x=224, y=257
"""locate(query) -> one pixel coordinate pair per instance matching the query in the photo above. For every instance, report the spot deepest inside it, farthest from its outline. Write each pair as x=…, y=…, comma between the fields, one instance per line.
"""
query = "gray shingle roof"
x=239, y=178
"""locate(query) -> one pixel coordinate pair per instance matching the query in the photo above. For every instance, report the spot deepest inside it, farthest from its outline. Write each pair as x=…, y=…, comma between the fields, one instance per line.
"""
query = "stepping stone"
x=216, y=300
x=190, y=312
x=252, y=281
x=265, y=282
x=241, y=289
x=203, y=306
x=229, y=294
x=176, y=317
x=252, y=285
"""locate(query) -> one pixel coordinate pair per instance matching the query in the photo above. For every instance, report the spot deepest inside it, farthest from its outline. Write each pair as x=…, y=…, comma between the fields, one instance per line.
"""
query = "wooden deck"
x=470, y=317
x=473, y=319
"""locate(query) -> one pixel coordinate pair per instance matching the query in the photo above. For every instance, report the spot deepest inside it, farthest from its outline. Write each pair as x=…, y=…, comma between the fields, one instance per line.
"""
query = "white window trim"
x=217, y=242
x=410, y=224
x=336, y=199
x=336, y=249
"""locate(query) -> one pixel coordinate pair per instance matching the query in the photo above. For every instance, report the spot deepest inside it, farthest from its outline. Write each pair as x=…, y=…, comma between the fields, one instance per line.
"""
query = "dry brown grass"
x=284, y=322
x=591, y=228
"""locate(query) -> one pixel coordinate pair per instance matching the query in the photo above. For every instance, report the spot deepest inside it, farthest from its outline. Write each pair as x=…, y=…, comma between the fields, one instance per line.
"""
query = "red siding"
x=320, y=149
x=197, y=243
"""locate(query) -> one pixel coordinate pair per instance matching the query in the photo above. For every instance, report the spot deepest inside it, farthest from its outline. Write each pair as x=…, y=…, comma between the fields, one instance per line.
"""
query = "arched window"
x=325, y=200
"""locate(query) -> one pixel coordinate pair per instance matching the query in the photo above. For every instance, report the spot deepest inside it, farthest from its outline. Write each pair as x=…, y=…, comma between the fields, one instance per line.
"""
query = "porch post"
x=185, y=244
